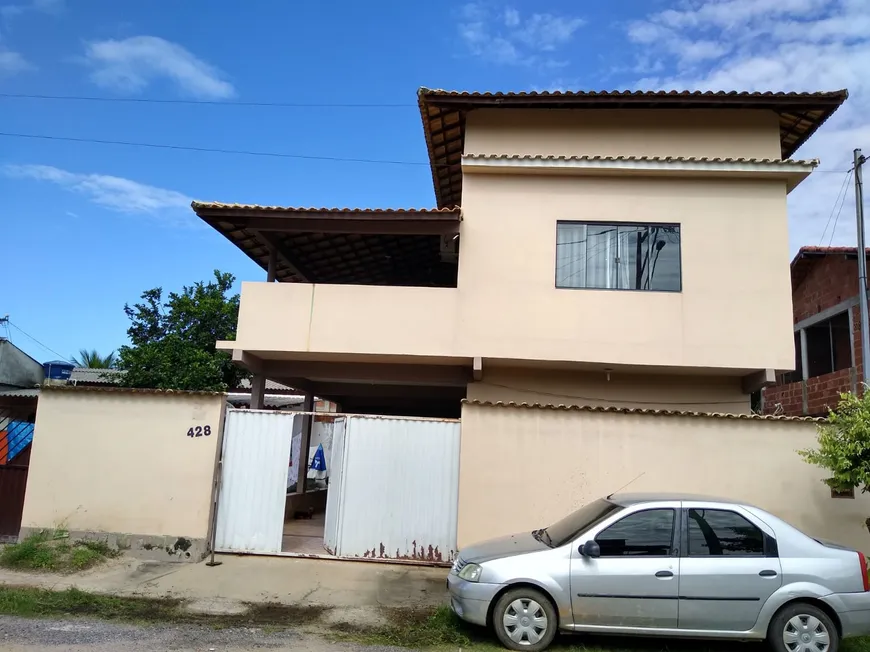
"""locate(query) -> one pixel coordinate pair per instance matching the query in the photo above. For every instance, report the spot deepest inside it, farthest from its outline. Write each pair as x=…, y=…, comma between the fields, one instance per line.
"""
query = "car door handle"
x=664, y=574
x=768, y=573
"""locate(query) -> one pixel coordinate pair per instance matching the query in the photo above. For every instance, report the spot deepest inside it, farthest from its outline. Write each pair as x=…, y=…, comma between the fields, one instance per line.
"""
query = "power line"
x=146, y=100
x=28, y=335
x=242, y=152
x=834, y=207
x=212, y=150
x=837, y=219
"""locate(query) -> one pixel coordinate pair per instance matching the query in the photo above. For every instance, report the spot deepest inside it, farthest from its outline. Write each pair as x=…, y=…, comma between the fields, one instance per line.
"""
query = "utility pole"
x=862, y=267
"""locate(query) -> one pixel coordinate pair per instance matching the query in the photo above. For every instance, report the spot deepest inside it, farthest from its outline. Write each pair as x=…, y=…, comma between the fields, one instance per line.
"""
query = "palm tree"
x=94, y=360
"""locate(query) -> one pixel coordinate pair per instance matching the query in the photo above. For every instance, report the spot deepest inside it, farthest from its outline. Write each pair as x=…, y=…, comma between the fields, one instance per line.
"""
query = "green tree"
x=93, y=360
x=172, y=341
x=844, y=444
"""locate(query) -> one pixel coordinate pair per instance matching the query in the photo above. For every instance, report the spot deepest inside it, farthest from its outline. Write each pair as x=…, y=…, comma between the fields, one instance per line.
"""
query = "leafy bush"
x=844, y=444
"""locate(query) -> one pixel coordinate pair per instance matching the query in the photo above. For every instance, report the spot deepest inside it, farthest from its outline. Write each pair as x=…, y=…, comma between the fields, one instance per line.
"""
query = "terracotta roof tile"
x=805, y=257
x=828, y=250
x=643, y=411
x=656, y=159
x=305, y=209
x=840, y=94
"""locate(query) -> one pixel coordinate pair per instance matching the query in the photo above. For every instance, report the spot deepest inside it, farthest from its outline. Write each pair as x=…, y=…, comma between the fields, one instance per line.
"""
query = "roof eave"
x=460, y=102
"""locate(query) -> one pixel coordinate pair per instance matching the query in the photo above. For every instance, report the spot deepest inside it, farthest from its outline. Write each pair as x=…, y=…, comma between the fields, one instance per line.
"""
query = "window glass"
x=620, y=256
x=584, y=518
x=717, y=532
x=649, y=533
x=664, y=259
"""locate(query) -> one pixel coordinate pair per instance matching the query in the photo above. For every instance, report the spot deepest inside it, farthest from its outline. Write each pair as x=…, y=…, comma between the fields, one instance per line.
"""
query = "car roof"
x=628, y=499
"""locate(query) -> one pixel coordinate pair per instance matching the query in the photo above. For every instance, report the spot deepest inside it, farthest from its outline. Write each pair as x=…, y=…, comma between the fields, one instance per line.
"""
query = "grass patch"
x=413, y=628
x=39, y=603
x=441, y=628
x=29, y=602
x=52, y=551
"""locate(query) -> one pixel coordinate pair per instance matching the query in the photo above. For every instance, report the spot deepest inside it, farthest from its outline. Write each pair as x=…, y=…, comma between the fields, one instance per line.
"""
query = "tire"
x=525, y=619
x=801, y=627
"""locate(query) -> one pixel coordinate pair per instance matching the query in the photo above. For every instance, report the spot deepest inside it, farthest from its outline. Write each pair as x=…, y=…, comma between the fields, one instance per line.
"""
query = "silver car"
x=665, y=565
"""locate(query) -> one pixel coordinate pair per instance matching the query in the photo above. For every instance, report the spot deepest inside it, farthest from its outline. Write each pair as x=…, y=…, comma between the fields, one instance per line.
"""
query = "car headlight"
x=471, y=573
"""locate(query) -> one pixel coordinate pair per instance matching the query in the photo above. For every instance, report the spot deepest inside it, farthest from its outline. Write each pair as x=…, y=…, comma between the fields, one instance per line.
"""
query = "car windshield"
x=563, y=531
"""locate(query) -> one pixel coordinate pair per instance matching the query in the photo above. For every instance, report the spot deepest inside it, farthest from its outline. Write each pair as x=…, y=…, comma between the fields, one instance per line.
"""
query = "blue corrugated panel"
x=18, y=435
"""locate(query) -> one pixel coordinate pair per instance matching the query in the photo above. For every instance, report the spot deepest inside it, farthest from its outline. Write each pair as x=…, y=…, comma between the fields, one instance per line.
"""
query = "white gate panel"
x=399, y=488
x=334, y=465
x=255, y=458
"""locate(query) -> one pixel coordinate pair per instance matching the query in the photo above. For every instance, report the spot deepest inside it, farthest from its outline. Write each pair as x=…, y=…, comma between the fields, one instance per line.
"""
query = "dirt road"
x=78, y=635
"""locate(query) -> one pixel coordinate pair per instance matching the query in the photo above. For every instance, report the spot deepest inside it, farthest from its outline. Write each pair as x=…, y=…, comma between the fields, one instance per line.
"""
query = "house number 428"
x=199, y=431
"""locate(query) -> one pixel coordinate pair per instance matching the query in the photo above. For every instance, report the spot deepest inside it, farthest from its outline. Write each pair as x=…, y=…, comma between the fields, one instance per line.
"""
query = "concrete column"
x=273, y=265
x=258, y=391
x=305, y=444
x=805, y=360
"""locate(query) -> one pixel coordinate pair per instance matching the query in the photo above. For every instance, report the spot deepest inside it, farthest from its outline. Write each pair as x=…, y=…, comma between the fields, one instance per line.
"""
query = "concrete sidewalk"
x=358, y=591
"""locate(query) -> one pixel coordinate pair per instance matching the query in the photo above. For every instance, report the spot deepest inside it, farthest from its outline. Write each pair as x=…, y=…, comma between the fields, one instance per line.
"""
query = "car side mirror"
x=590, y=549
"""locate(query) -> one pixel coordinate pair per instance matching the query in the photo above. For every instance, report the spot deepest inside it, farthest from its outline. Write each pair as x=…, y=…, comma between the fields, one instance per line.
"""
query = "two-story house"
x=603, y=278
x=623, y=249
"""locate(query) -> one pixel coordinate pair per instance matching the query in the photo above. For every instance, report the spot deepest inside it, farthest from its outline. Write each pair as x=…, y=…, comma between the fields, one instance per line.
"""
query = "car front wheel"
x=524, y=619
x=801, y=627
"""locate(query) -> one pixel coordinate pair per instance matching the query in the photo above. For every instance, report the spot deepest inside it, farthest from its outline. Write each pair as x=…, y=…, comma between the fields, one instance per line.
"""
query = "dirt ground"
x=77, y=635
x=357, y=592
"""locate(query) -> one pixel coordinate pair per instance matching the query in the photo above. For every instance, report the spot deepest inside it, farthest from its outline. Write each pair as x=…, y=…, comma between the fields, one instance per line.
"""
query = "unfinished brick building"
x=827, y=334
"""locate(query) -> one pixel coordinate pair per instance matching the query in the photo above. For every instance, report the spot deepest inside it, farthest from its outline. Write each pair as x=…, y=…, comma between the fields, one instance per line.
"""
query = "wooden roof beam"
x=274, y=244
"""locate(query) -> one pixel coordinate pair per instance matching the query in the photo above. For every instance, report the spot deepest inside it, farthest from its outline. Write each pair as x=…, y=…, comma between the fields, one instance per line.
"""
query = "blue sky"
x=88, y=227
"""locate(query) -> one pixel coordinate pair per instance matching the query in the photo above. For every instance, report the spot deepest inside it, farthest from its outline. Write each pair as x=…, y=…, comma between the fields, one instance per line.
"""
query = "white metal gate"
x=397, y=486
x=256, y=449
x=393, y=485
x=330, y=530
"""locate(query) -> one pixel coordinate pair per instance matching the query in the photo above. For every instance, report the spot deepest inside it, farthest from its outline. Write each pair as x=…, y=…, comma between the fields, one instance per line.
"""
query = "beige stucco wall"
x=362, y=319
x=710, y=133
x=655, y=391
x=558, y=460
x=121, y=462
x=734, y=310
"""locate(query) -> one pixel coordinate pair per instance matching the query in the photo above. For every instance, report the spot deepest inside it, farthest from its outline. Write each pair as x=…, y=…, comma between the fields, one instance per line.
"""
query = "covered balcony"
x=358, y=307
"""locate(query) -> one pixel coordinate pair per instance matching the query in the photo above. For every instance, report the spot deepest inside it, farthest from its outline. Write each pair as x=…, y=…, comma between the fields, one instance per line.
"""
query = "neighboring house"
x=17, y=369
x=827, y=336
x=278, y=396
x=611, y=249
x=20, y=376
x=89, y=377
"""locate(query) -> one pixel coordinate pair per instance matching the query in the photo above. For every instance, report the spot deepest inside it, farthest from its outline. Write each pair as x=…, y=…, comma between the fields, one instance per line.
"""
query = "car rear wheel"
x=525, y=619
x=801, y=627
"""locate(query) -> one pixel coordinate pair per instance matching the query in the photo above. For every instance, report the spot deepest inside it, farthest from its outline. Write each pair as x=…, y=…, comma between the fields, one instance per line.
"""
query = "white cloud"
x=132, y=64
x=508, y=37
x=762, y=45
x=114, y=193
x=12, y=63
